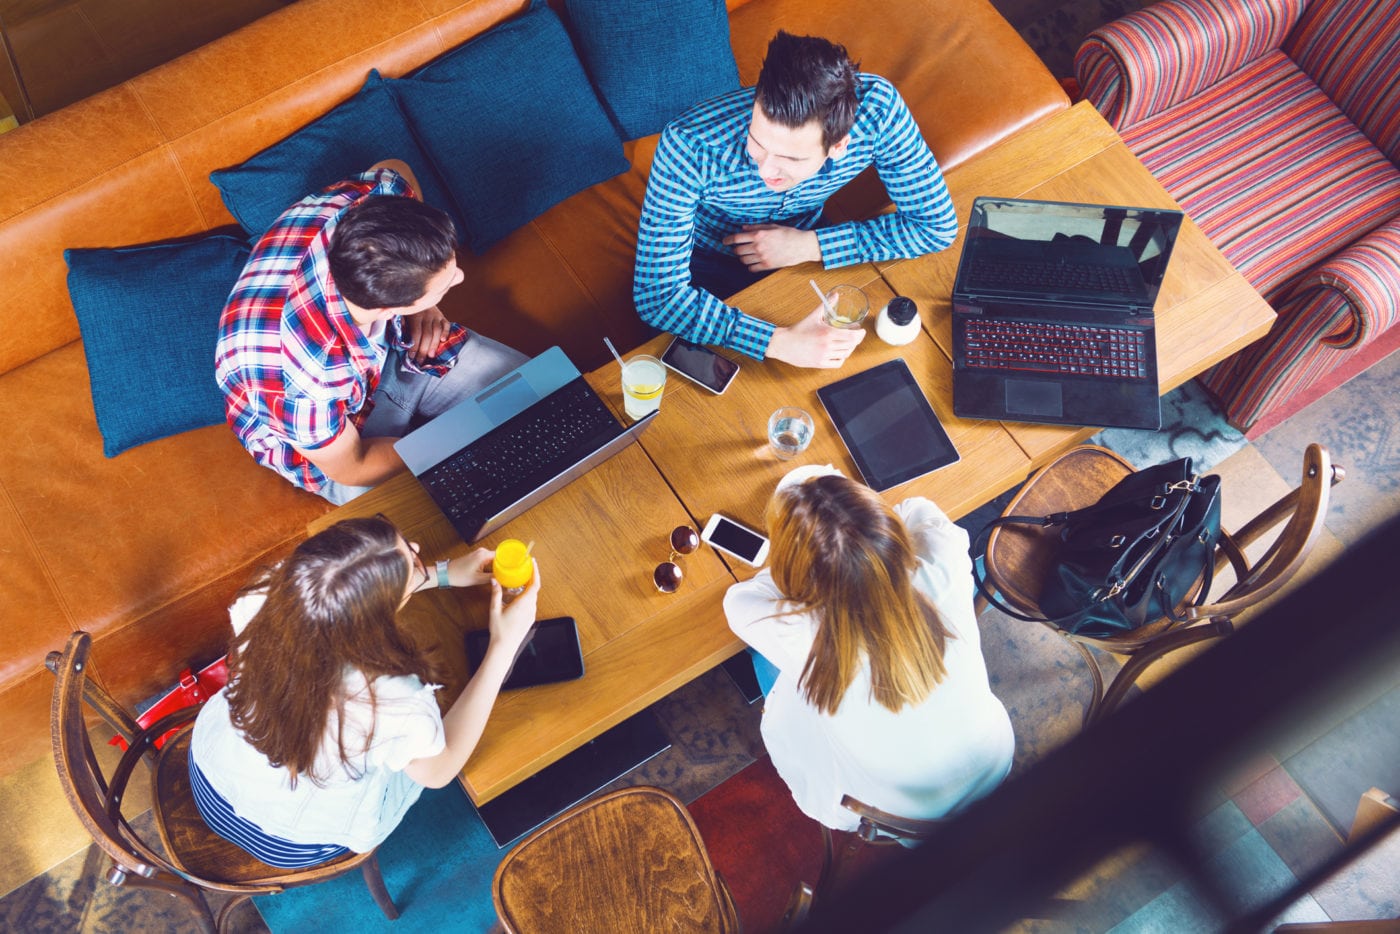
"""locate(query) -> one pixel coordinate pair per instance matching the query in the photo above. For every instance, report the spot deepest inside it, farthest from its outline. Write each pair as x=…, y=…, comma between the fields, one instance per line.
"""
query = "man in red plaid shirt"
x=331, y=346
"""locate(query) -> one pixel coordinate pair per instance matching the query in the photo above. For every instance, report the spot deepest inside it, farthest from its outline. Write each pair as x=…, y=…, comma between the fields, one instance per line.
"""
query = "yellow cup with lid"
x=512, y=566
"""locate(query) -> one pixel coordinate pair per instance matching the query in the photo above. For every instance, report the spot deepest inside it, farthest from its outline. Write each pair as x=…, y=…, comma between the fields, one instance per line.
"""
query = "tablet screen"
x=887, y=425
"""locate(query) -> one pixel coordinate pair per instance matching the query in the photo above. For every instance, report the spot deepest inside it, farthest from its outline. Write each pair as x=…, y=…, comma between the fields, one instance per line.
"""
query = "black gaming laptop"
x=1052, y=312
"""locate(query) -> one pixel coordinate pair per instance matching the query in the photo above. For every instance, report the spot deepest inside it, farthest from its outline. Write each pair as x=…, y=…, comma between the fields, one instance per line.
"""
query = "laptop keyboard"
x=523, y=453
x=1055, y=348
x=1051, y=277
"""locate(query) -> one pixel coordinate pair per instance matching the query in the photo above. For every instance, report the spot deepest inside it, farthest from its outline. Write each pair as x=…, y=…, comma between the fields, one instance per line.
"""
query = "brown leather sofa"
x=146, y=549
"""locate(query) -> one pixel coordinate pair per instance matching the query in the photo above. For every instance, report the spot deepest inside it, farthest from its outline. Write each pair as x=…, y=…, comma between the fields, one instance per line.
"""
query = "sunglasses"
x=668, y=574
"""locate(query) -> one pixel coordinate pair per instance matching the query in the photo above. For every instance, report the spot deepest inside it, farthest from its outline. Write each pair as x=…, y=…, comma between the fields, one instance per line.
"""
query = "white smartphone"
x=742, y=542
x=700, y=365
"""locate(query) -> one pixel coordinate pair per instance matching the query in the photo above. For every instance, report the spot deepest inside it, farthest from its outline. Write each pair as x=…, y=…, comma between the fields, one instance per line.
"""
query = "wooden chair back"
x=1018, y=558
x=198, y=859
x=844, y=861
x=95, y=800
x=1305, y=509
x=628, y=860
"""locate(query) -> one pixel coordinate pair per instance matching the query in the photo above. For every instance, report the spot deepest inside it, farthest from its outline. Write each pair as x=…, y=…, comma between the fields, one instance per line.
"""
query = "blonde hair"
x=841, y=554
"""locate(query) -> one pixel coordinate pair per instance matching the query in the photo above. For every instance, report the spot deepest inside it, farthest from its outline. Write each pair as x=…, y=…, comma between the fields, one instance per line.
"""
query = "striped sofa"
x=1276, y=125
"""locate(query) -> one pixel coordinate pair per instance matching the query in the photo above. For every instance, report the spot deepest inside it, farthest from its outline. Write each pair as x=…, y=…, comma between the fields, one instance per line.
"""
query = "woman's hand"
x=471, y=569
x=510, y=625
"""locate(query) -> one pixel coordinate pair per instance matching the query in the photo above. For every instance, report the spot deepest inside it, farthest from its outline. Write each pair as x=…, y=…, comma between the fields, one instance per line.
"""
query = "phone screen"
x=734, y=537
x=701, y=364
x=551, y=653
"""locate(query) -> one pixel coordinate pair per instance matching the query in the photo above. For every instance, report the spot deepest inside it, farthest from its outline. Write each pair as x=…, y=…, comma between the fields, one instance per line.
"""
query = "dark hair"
x=385, y=249
x=807, y=78
x=328, y=607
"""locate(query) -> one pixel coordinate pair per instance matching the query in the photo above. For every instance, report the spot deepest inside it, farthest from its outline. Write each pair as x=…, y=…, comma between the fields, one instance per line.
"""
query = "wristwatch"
x=443, y=580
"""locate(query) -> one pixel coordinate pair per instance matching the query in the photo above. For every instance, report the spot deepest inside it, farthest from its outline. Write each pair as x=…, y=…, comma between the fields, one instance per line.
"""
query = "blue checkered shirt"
x=704, y=186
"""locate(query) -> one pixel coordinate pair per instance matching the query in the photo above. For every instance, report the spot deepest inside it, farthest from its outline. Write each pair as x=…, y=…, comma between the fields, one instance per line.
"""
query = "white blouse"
x=357, y=805
x=925, y=761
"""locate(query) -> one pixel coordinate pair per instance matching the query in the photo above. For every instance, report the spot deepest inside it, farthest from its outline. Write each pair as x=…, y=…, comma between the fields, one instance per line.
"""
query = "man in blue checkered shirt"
x=737, y=187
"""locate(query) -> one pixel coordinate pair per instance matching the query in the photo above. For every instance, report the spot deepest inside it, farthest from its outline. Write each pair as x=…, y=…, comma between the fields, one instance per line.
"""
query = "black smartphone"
x=700, y=365
x=550, y=653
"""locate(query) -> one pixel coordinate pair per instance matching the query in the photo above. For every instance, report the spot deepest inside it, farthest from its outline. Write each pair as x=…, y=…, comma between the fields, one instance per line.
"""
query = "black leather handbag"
x=1132, y=557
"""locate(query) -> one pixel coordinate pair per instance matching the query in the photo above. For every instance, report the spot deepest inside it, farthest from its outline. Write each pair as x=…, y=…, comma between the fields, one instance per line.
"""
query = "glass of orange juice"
x=512, y=567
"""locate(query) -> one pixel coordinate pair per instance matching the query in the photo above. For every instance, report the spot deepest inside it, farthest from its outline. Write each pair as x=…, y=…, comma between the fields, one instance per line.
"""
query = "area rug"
x=437, y=866
x=1192, y=426
x=759, y=842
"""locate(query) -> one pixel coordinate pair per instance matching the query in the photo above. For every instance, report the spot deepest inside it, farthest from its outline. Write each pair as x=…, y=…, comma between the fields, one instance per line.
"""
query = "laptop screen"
x=1048, y=249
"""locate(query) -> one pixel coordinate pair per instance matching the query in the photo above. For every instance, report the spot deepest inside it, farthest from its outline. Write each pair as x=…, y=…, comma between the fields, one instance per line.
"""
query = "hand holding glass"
x=845, y=307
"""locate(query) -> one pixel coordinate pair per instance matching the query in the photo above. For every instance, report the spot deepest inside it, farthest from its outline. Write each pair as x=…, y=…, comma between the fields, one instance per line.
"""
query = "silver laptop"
x=495, y=454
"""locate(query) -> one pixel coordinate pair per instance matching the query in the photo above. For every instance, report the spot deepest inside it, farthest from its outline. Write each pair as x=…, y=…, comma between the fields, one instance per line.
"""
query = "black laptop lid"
x=1095, y=255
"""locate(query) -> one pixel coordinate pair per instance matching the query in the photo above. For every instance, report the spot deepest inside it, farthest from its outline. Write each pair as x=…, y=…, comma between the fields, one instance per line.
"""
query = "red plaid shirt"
x=293, y=364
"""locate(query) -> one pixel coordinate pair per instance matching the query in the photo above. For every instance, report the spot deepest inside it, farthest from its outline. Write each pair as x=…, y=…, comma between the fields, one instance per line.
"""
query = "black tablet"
x=550, y=653
x=887, y=424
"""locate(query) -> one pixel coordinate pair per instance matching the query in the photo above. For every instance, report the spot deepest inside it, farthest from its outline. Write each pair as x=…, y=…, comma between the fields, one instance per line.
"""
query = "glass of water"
x=790, y=431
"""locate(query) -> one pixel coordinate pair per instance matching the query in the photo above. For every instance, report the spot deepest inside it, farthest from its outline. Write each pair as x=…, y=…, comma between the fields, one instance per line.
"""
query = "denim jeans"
x=765, y=670
x=405, y=400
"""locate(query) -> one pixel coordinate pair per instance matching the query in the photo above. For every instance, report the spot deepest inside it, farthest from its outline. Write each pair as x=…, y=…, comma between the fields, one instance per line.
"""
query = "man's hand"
x=812, y=342
x=762, y=247
x=426, y=331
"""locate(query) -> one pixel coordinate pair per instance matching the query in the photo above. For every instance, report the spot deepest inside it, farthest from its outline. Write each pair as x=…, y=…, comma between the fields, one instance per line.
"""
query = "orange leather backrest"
x=131, y=164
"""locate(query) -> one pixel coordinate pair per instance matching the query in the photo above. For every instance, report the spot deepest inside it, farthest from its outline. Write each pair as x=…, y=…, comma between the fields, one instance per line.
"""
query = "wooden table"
x=597, y=542
x=598, y=539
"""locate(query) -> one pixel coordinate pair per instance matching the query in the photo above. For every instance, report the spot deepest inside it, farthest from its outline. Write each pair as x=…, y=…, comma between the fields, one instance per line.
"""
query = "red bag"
x=193, y=690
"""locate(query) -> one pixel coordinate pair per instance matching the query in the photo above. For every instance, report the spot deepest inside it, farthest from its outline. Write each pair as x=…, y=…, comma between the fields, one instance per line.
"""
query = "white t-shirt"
x=925, y=761
x=356, y=806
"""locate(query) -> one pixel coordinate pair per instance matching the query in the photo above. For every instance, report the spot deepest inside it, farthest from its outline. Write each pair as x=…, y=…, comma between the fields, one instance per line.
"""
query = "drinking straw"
x=617, y=356
x=821, y=295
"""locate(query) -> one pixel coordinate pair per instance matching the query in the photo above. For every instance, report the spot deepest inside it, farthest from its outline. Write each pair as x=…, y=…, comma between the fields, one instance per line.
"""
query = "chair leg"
x=375, y=881
x=1136, y=664
x=824, y=878
x=226, y=912
x=179, y=888
x=1096, y=698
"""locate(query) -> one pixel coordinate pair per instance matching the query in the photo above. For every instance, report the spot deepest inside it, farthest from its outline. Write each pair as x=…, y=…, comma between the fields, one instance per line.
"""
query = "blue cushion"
x=149, y=316
x=653, y=59
x=510, y=121
x=366, y=129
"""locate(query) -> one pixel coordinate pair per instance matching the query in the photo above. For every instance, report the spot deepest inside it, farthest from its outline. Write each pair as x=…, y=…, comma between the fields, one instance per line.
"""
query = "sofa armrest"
x=1355, y=295
x=1147, y=61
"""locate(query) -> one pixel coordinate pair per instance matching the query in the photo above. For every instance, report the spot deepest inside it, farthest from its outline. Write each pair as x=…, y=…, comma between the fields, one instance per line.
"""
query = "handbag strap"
x=1189, y=485
x=991, y=596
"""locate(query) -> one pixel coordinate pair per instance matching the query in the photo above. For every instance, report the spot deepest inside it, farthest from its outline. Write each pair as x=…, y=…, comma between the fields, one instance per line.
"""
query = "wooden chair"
x=628, y=860
x=1018, y=558
x=195, y=858
x=877, y=828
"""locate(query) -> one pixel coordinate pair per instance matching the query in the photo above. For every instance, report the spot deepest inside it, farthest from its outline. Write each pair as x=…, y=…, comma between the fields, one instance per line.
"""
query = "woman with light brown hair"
x=329, y=729
x=866, y=615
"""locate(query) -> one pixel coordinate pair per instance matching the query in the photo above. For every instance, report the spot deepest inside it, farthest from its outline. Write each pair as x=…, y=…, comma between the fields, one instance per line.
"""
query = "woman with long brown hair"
x=866, y=614
x=328, y=729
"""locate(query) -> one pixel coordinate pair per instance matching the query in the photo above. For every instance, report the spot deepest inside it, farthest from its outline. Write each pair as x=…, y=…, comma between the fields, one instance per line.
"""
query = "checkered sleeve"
x=666, y=236
x=923, y=221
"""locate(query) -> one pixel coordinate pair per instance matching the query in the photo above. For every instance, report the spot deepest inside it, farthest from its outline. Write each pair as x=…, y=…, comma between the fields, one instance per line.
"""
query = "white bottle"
x=898, y=322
